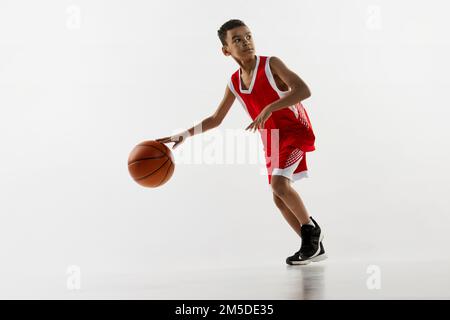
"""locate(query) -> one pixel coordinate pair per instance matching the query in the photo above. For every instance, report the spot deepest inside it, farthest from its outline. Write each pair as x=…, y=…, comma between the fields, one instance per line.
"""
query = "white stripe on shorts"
x=288, y=172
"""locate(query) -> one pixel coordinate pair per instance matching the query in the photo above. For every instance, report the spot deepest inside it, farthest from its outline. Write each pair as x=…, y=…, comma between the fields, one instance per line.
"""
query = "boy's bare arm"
x=207, y=124
x=216, y=119
x=299, y=90
x=224, y=106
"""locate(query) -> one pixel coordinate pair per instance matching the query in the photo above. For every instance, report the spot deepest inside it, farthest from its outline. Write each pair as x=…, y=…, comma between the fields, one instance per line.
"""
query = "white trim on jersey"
x=230, y=85
x=272, y=79
x=255, y=71
x=302, y=116
x=274, y=86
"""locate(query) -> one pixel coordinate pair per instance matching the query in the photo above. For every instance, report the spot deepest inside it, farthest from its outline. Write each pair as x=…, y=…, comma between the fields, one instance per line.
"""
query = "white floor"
x=330, y=279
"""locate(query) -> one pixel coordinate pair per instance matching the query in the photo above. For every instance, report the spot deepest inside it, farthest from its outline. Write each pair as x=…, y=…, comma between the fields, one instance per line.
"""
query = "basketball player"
x=271, y=94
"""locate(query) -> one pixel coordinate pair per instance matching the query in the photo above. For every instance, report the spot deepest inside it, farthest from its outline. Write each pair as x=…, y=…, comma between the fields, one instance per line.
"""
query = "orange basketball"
x=151, y=164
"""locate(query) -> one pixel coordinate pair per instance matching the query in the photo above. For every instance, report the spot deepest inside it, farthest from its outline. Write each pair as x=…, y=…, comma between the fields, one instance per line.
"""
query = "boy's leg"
x=287, y=214
x=282, y=188
x=311, y=233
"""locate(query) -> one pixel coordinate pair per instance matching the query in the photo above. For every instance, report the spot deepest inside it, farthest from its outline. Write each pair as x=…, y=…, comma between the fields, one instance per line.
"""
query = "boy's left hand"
x=260, y=120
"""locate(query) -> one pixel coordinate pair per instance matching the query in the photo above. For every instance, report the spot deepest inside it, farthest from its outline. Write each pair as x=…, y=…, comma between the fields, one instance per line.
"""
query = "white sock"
x=311, y=223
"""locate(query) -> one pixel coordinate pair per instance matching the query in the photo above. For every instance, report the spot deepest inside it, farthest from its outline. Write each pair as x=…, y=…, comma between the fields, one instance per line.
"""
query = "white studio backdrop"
x=82, y=82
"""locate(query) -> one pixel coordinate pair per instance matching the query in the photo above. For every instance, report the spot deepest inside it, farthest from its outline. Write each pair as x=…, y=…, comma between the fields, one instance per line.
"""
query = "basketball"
x=151, y=164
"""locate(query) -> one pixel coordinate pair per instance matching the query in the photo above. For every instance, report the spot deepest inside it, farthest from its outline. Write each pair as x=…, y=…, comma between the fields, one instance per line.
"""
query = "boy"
x=271, y=95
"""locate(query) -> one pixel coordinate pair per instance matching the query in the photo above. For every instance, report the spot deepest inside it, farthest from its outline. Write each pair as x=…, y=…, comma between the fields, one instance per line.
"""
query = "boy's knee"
x=278, y=202
x=280, y=186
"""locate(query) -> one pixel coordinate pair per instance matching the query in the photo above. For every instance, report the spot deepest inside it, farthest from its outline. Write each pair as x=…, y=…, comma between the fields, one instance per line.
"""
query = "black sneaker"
x=311, y=239
x=296, y=259
x=321, y=256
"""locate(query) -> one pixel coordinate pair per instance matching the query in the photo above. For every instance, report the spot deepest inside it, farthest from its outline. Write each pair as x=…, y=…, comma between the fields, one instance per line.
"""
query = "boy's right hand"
x=178, y=139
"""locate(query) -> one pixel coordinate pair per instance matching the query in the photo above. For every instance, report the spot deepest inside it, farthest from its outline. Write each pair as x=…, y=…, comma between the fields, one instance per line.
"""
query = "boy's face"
x=239, y=43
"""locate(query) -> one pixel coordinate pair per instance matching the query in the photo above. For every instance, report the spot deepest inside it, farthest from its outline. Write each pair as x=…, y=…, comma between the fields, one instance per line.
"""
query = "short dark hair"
x=230, y=24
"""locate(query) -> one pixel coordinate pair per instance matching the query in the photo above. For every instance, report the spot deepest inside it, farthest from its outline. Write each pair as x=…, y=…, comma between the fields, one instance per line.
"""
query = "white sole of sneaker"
x=301, y=263
x=319, y=258
x=315, y=258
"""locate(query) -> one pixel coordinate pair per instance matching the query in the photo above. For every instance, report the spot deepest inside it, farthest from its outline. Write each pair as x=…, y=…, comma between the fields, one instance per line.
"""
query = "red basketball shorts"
x=291, y=164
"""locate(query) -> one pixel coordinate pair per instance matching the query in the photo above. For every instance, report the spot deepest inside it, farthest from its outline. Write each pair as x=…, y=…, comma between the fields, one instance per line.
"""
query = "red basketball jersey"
x=293, y=124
